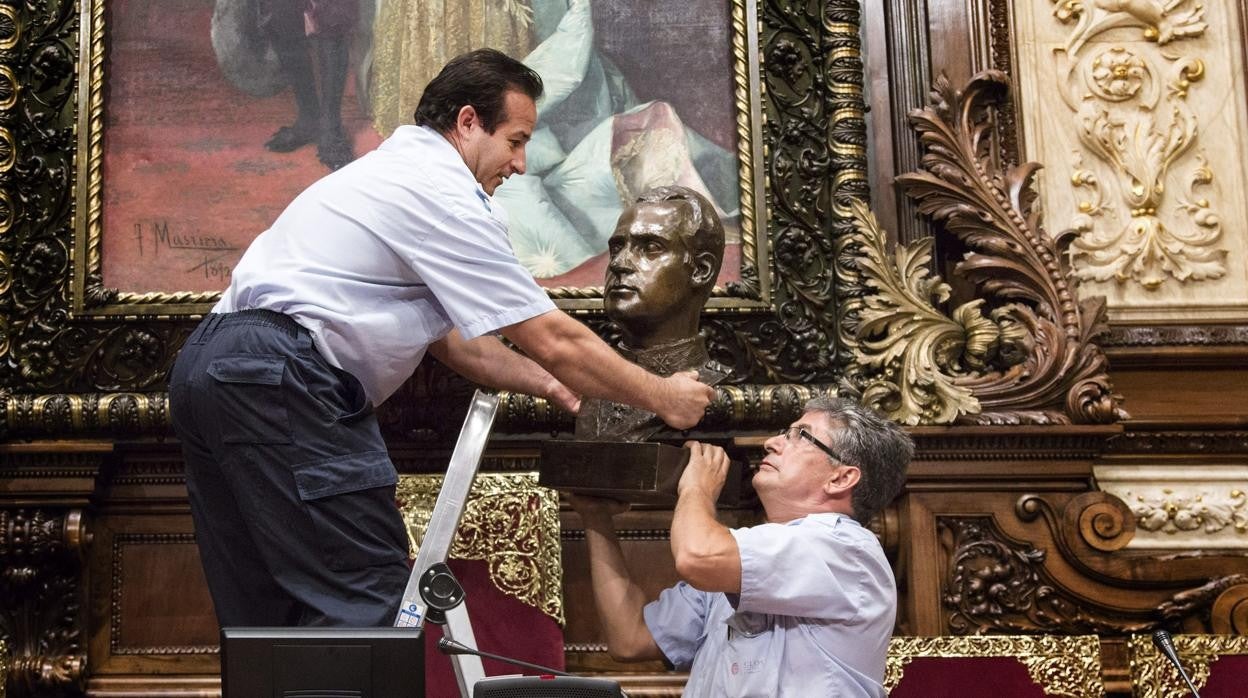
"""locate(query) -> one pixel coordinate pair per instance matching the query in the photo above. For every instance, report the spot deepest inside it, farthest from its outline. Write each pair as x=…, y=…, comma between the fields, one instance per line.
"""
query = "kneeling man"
x=802, y=605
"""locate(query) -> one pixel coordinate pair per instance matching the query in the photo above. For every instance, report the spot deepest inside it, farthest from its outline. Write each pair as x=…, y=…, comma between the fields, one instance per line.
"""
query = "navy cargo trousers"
x=291, y=487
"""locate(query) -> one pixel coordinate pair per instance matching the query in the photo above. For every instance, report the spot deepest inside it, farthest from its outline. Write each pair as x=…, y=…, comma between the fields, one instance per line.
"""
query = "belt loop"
x=200, y=335
x=214, y=325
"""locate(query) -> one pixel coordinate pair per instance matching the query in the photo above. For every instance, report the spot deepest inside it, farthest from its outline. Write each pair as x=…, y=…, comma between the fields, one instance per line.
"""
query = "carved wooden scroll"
x=1024, y=352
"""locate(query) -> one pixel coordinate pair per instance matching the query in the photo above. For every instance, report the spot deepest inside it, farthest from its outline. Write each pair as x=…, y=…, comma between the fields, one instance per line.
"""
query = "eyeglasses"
x=790, y=433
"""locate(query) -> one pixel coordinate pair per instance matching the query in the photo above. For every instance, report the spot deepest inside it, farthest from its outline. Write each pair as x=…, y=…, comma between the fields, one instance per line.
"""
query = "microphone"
x=1165, y=644
x=448, y=646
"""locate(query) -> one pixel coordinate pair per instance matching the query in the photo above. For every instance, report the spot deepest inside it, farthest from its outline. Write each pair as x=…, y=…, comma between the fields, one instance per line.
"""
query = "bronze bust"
x=664, y=258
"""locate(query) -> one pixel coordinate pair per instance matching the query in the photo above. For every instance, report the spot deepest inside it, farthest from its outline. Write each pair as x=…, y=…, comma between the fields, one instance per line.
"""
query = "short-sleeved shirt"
x=814, y=616
x=385, y=256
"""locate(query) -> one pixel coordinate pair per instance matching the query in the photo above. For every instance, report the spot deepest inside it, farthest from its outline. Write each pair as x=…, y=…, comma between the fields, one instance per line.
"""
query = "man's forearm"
x=488, y=361
x=706, y=554
x=586, y=364
x=619, y=600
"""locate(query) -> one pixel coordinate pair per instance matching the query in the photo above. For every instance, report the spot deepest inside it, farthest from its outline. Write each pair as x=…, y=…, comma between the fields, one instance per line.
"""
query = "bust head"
x=663, y=259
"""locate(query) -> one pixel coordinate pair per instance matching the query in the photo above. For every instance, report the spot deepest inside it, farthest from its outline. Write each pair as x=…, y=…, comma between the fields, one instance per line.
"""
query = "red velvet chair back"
x=1216, y=664
x=994, y=666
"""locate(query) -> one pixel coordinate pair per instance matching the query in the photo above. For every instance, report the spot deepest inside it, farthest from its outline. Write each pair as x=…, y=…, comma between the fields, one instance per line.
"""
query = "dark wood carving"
x=1030, y=356
x=1074, y=574
x=1011, y=260
x=1183, y=335
x=41, y=601
x=997, y=585
x=1209, y=587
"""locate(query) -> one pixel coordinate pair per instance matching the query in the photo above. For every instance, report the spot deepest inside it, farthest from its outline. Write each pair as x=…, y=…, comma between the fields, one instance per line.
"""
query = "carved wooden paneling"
x=1000, y=575
x=144, y=618
x=999, y=532
x=41, y=597
x=1181, y=506
x=1143, y=163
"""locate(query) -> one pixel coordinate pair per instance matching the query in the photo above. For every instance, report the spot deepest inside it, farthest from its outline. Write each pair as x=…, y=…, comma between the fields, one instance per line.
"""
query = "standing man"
x=802, y=605
x=329, y=312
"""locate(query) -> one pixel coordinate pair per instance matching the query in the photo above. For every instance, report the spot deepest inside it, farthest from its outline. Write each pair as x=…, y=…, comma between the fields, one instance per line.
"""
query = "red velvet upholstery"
x=965, y=677
x=1217, y=664
x=994, y=666
x=501, y=624
x=511, y=523
x=1228, y=677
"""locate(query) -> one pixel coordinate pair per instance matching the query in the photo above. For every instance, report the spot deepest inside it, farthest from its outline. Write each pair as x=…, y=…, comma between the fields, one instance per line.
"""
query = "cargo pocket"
x=350, y=500
x=252, y=407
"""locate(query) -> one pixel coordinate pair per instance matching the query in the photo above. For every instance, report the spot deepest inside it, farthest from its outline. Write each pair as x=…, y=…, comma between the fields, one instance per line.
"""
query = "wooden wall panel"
x=147, y=618
x=1000, y=531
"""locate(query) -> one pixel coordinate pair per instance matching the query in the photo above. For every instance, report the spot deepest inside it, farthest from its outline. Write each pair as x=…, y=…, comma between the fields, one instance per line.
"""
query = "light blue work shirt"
x=384, y=257
x=813, y=618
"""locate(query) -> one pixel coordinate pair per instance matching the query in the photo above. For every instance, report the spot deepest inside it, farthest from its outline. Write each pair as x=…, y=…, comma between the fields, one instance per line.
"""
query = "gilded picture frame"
x=79, y=357
x=215, y=241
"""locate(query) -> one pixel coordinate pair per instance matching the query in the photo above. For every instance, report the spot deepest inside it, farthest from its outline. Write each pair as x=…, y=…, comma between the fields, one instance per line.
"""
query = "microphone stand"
x=448, y=646
x=1165, y=644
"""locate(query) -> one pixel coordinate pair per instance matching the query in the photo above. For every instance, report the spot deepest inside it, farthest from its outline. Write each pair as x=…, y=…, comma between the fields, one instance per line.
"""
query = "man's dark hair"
x=702, y=231
x=877, y=447
x=480, y=79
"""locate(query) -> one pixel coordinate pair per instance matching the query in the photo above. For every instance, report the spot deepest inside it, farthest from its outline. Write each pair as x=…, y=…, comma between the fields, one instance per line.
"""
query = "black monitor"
x=322, y=663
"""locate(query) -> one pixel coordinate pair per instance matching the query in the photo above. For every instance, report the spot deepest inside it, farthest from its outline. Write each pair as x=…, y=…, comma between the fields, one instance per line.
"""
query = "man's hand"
x=685, y=401
x=705, y=551
x=559, y=394
x=706, y=471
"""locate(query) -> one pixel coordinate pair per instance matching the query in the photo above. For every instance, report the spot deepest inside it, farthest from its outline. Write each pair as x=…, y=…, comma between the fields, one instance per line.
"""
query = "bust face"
x=648, y=280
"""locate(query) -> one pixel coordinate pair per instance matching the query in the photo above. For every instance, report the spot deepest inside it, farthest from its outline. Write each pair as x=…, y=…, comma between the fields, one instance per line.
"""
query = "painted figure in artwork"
x=264, y=46
x=597, y=146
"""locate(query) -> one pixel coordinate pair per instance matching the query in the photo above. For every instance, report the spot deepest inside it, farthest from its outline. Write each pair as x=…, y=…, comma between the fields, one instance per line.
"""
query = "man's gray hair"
x=876, y=446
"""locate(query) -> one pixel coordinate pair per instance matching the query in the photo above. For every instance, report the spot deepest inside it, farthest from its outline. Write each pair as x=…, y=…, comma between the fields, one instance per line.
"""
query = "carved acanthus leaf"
x=1050, y=371
x=908, y=350
x=1131, y=111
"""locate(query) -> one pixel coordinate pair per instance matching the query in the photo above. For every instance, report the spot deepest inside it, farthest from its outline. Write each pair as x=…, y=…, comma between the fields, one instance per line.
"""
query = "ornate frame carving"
x=41, y=589
x=66, y=370
x=1062, y=665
